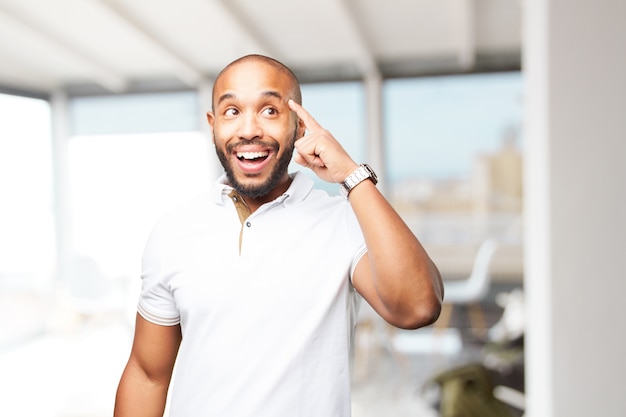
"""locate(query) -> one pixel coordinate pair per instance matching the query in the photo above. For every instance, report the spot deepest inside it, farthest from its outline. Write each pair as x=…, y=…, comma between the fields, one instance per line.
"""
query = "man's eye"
x=270, y=111
x=231, y=112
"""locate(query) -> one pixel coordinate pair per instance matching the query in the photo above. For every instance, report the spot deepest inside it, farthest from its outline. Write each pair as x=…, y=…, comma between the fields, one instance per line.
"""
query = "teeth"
x=252, y=155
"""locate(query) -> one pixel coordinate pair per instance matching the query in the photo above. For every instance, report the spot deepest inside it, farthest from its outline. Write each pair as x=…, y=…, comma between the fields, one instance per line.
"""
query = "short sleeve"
x=357, y=241
x=156, y=303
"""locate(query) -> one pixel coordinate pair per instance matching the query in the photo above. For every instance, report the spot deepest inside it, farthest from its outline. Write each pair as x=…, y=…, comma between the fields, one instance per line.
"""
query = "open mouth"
x=252, y=156
x=253, y=162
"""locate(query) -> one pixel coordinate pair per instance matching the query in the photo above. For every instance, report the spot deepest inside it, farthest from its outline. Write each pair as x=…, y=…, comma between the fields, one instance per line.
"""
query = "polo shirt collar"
x=301, y=186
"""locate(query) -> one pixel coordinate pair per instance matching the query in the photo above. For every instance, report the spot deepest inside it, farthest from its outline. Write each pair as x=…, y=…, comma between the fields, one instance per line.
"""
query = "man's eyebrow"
x=225, y=97
x=272, y=93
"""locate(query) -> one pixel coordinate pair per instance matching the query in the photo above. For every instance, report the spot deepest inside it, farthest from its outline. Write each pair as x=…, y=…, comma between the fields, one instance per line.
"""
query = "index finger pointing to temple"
x=309, y=122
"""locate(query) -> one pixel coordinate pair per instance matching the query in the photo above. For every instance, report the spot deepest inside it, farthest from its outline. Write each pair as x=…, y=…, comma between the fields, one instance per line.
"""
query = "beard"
x=273, y=180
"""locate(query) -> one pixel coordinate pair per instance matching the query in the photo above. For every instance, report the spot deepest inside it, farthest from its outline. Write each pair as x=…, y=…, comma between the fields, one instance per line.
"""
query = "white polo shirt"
x=266, y=330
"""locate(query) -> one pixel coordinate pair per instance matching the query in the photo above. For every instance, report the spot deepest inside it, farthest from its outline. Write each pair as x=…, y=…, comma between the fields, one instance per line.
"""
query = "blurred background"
x=481, y=140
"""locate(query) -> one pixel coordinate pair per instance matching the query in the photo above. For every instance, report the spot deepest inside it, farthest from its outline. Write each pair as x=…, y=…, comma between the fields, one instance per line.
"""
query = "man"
x=253, y=290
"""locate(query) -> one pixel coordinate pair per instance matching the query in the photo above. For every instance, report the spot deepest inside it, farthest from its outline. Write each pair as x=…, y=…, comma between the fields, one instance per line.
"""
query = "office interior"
x=521, y=209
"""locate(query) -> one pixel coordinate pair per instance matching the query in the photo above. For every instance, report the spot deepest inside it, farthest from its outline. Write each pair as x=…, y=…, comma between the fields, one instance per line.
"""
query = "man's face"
x=253, y=128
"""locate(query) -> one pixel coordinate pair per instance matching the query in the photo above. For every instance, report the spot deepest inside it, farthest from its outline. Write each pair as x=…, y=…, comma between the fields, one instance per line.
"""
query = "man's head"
x=253, y=128
x=254, y=58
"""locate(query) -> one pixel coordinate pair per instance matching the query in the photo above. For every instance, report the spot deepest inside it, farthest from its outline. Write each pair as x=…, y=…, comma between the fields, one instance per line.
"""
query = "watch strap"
x=362, y=173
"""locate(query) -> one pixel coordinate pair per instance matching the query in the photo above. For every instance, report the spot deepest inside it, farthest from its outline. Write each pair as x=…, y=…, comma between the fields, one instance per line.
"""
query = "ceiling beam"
x=184, y=70
x=248, y=26
x=467, y=34
x=102, y=74
x=366, y=60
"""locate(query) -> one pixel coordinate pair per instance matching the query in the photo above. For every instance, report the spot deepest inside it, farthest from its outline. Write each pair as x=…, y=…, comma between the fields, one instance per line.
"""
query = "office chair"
x=471, y=291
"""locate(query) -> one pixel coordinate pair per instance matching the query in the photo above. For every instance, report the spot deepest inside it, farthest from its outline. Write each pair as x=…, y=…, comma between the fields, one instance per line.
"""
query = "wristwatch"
x=362, y=173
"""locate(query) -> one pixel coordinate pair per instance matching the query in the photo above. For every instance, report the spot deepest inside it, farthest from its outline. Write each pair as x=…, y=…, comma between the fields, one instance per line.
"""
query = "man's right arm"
x=142, y=391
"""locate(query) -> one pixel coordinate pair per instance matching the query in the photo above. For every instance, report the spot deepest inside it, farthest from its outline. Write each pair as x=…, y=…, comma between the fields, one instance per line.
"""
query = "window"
x=27, y=232
x=27, y=242
x=133, y=158
x=454, y=154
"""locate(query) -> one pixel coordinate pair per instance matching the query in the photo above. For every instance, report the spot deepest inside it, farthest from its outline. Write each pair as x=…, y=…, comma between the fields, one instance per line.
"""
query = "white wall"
x=575, y=69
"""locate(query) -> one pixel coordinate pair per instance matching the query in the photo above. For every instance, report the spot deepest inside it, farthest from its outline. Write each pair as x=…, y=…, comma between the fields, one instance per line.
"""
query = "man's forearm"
x=138, y=396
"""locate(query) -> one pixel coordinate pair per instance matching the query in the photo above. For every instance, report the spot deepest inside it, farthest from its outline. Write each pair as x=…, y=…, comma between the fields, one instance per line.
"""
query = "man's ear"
x=301, y=128
x=210, y=117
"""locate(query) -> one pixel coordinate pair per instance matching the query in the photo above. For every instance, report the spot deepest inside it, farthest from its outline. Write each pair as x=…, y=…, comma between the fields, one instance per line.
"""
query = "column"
x=575, y=181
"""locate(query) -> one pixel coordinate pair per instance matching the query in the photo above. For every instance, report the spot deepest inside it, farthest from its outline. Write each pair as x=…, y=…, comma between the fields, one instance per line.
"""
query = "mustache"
x=232, y=146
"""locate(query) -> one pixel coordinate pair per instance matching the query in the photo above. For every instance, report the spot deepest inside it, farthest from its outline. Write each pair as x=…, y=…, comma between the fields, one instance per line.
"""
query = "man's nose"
x=250, y=128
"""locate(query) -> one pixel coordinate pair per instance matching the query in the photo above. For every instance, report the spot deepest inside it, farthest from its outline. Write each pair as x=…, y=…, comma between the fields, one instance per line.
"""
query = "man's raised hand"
x=320, y=151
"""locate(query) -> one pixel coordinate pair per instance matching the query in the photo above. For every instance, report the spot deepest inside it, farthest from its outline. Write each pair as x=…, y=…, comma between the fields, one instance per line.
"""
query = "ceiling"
x=116, y=46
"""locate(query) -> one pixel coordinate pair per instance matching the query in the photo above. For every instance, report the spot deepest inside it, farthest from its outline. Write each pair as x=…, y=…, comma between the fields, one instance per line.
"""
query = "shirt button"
x=248, y=224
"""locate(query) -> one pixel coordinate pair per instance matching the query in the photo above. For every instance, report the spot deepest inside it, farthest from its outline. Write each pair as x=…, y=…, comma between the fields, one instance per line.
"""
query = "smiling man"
x=253, y=130
x=252, y=291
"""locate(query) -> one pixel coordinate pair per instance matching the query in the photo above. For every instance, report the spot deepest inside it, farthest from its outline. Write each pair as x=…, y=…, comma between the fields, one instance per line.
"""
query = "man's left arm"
x=396, y=276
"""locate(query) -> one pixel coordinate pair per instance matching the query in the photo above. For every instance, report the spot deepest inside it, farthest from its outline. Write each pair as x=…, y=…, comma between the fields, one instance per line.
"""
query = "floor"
x=392, y=372
x=72, y=368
